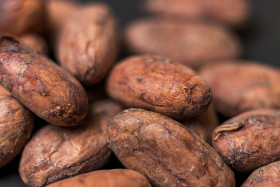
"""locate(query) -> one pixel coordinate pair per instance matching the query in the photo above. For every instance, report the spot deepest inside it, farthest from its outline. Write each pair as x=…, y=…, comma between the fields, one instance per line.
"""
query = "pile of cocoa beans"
x=147, y=117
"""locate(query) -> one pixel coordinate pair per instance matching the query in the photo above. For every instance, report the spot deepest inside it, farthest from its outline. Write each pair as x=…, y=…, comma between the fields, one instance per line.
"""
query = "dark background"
x=261, y=41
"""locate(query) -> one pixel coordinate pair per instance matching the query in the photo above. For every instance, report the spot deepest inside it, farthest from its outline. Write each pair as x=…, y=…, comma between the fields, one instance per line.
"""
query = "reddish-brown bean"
x=55, y=153
x=249, y=140
x=266, y=176
x=230, y=12
x=89, y=43
x=21, y=16
x=190, y=43
x=239, y=86
x=42, y=86
x=165, y=151
x=159, y=84
x=16, y=124
x=106, y=178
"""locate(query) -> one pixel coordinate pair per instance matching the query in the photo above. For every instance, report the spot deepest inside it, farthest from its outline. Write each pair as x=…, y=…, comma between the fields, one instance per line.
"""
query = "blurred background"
x=260, y=39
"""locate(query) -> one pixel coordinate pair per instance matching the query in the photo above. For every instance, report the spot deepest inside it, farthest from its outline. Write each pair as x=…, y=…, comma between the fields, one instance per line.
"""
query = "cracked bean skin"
x=230, y=12
x=240, y=86
x=89, y=43
x=106, y=178
x=21, y=16
x=249, y=140
x=55, y=153
x=264, y=176
x=159, y=84
x=42, y=86
x=191, y=43
x=165, y=151
x=16, y=124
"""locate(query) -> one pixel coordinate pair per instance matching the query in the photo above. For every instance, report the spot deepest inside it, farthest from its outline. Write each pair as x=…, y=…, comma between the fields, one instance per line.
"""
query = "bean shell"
x=191, y=43
x=239, y=86
x=249, y=140
x=42, y=86
x=55, y=153
x=159, y=84
x=106, y=178
x=89, y=43
x=165, y=151
x=264, y=176
x=21, y=16
x=16, y=124
x=230, y=12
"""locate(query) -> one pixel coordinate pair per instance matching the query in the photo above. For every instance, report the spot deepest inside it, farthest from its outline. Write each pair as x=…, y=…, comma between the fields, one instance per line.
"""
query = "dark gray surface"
x=262, y=37
x=261, y=41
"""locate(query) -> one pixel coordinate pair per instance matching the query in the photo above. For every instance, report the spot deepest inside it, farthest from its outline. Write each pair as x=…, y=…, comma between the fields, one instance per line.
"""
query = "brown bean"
x=55, y=153
x=239, y=86
x=230, y=12
x=165, y=151
x=265, y=176
x=35, y=42
x=42, y=86
x=249, y=140
x=21, y=16
x=16, y=124
x=159, y=84
x=106, y=178
x=89, y=43
x=191, y=43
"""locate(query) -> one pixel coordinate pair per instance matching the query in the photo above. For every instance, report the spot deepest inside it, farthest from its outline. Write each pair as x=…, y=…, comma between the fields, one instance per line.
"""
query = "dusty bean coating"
x=35, y=42
x=159, y=84
x=264, y=176
x=55, y=153
x=16, y=124
x=106, y=178
x=249, y=140
x=165, y=151
x=190, y=43
x=239, y=86
x=89, y=43
x=230, y=12
x=42, y=86
x=21, y=16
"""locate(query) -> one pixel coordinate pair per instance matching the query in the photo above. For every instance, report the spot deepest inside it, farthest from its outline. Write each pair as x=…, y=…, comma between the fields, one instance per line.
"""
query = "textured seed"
x=165, y=151
x=239, y=86
x=249, y=140
x=55, y=153
x=42, y=86
x=159, y=84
